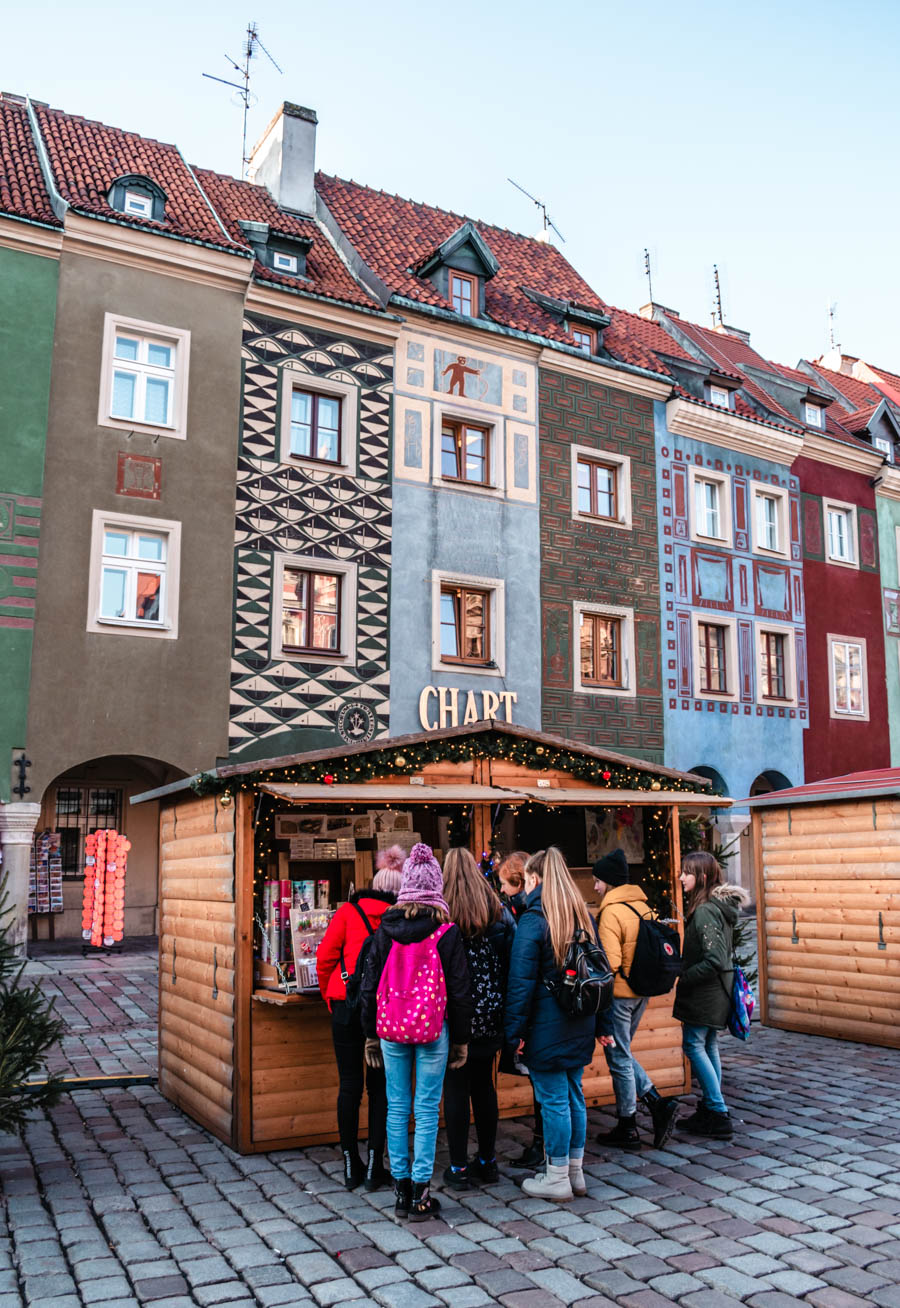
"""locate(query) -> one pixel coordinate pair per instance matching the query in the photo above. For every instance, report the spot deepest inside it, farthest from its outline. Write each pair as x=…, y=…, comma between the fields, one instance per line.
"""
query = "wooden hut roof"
x=853, y=785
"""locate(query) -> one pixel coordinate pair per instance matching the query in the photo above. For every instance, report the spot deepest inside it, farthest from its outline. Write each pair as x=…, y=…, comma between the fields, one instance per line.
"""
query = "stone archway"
x=768, y=781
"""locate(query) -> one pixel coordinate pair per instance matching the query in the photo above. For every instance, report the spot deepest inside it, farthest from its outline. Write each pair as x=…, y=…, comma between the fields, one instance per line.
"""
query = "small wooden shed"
x=256, y=1066
x=827, y=868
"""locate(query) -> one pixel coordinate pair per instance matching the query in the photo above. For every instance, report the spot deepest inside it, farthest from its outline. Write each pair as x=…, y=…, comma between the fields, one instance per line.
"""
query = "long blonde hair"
x=472, y=903
x=561, y=900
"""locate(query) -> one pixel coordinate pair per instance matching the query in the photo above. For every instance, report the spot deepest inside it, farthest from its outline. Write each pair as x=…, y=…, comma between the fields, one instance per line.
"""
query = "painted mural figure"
x=458, y=371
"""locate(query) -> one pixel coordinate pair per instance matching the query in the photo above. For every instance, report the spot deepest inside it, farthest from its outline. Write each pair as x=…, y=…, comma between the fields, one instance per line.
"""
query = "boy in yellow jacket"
x=622, y=906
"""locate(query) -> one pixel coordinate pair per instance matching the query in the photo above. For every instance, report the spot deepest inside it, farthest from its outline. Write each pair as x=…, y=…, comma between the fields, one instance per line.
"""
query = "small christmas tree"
x=29, y=1028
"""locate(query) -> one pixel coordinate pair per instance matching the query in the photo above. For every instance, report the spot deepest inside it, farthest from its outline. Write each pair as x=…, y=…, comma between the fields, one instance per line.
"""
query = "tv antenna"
x=717, y=315
x=648, y=272
x=244, y=95
x=832, y=309
x=548, y=223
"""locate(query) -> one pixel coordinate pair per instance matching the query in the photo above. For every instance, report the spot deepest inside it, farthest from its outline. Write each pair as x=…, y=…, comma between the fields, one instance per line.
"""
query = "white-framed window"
x=885, y=446
x=286, y=263
x=603, y=649
x=840, y=533
x=769, y=526
x=134, y=575
x=715, y=656
x=711, y=505
x=319, y=420
x=601, y=486
x=137, y=203
x=814, y=415
x=313, y=609
x=847, y=677
x=721, y=396
x=144, y=374
x=468, y=451
x=776, y=664
x=468, y=624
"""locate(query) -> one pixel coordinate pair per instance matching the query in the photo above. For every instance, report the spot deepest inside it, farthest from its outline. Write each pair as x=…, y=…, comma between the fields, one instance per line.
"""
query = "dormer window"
x=813, y=415
x=585, y=338
x=464, y=293
x=138, y=197
x=720, y=396
x=884, y=445
x=286, y=263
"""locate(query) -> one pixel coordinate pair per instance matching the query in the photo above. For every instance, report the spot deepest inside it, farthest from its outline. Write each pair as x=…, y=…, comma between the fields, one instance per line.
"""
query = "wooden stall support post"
x=481, y=815
x=244, y=869
x=678, y=901
x=762, y=943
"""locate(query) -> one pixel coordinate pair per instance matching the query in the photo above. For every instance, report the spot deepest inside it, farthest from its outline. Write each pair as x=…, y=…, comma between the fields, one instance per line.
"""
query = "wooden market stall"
x=827, y=867
x=247, y=1053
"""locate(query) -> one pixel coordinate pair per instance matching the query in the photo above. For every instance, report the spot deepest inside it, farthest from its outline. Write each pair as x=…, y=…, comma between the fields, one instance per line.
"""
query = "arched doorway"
x=94, y=795
x=713, y=775
x=768, y=781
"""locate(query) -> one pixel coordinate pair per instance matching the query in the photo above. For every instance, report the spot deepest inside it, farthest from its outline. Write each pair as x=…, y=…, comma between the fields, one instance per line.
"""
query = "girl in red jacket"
x=336, y=959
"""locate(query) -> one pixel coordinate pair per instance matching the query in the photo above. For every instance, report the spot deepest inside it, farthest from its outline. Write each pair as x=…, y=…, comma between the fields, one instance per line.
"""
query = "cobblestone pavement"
x=115, y=1198
x=108, y=1003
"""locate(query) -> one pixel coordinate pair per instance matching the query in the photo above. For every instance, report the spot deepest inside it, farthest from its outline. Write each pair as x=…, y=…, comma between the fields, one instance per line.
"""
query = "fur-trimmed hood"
x=729, y=899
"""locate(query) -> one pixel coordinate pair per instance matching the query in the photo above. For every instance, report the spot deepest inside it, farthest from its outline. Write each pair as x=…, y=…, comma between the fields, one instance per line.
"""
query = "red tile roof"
x=23, y=192
x=87, y=157
x=880, y=781
x=630, y=330
x=326, y=272
x=858, y=393
x=734, y=354
x=393, y=235
x=860, y=420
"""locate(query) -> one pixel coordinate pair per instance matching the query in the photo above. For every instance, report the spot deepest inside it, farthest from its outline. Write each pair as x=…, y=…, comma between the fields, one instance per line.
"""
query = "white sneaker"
x=576, y=1178
x=551, y=1184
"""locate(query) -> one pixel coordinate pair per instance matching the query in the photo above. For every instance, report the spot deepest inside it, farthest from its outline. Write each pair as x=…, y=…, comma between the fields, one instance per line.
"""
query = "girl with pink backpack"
x=416, y=1011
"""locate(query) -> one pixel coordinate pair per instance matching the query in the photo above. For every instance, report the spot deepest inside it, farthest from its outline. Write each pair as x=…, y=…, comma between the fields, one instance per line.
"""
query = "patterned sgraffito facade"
x=308, y=514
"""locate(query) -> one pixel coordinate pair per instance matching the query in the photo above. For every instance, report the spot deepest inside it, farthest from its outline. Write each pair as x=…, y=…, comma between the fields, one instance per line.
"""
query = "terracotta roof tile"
x=23, y=192
x=859, y=421
x=327, y=275
x=86, y=158
x=858, y=393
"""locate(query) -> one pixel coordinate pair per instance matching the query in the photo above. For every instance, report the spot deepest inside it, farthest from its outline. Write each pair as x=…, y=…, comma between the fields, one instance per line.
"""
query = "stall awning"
x=361, y=793
x=603, y=797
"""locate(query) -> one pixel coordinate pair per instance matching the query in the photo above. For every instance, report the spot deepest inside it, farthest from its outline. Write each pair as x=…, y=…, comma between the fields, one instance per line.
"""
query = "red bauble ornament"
x=606, y=775
x=328, y=779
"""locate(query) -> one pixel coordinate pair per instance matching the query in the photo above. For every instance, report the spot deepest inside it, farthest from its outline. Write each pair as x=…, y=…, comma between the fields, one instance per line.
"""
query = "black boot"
x=354, y=1172
x=423, y=1205
x=531, y=1156
x=485, y=1173
x=457, y=1178
x=696, y=1123
x=376, y=1172
x=403, y=1192
x=663, y=1113
x=709, y=1123
x=624, y=1135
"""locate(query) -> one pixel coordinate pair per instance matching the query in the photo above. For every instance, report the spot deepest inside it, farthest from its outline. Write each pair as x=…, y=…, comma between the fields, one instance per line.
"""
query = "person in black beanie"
x=622, y=906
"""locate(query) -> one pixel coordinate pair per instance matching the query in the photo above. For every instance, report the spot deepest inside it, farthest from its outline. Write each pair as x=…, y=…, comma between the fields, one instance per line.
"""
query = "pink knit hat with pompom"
x=423, y=881
x=390, y=869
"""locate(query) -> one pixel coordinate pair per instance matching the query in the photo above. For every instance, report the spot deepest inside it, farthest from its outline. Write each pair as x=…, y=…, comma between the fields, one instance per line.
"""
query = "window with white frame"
x=721, y=396
x=286, y=263
x=313, y=609
x=134, y=575
x=711, y=496
x=847, y=677
x=137, y=203
x=144, y=376
x=776, y=664
x=468, y=623
x=814, y=415
x=601, y=486
x=715, y=658
x=604, y=649
x=319, y=420
x=886, y=447
x=770, y=520
x=840, y=533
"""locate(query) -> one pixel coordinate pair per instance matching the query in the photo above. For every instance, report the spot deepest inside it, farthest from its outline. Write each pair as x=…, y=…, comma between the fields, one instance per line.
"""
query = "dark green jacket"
x=703, y=996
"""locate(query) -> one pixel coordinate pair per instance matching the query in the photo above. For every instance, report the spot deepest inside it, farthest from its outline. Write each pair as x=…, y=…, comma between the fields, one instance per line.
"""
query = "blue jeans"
x=429, y=1063
x=565, y=1116
x=701, y=1044
x=629, y=1079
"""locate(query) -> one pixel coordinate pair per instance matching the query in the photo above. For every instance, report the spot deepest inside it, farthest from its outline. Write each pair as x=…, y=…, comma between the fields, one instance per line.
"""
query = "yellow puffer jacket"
x=618, y=927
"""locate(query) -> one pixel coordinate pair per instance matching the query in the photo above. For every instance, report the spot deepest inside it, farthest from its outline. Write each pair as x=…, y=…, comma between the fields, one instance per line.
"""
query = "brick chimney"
x=284, y=158
x=653, y=311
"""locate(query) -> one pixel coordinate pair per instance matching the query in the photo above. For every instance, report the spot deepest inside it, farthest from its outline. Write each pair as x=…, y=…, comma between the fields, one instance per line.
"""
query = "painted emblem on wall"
x=457, y=374
x=356, y=723
x=138, y=475
x=892, y=612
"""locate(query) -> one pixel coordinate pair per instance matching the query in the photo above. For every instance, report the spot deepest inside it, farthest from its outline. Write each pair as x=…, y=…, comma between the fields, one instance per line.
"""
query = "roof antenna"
x=647, y=271
x=244, y=95
x=717, y=316
x=544, y=234
x=832, y=308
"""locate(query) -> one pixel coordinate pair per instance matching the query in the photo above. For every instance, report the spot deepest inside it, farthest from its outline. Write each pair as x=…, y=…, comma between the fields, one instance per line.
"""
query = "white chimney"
x=284, y=158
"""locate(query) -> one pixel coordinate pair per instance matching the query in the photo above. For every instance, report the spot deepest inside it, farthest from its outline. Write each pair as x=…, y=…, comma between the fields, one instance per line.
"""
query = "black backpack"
x=488, y=985
x=353, y=980
x=584, y=988
x=656, y=965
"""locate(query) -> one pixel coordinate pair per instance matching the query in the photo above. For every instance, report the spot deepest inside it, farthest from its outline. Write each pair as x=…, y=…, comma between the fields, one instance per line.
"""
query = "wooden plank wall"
x=828, y=871
x=196, y=960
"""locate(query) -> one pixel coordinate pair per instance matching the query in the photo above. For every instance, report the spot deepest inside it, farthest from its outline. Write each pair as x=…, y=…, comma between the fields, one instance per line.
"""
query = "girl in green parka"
x=703, y=996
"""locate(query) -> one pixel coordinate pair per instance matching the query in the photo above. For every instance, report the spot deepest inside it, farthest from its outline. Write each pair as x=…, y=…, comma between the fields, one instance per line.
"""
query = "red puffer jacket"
x=347, y=931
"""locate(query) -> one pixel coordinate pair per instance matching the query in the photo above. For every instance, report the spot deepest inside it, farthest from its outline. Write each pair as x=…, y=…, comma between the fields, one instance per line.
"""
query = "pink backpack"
x=412, y=992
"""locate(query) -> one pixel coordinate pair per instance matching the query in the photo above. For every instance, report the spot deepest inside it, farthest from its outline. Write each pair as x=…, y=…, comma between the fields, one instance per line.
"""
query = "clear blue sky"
x=758, y=136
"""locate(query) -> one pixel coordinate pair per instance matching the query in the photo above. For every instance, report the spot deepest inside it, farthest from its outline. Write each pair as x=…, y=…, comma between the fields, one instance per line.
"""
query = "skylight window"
x=286, y=263
x=139, y=204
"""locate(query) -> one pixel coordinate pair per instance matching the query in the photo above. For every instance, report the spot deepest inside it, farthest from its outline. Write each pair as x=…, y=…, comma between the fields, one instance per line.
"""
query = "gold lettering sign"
x=448, y=706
